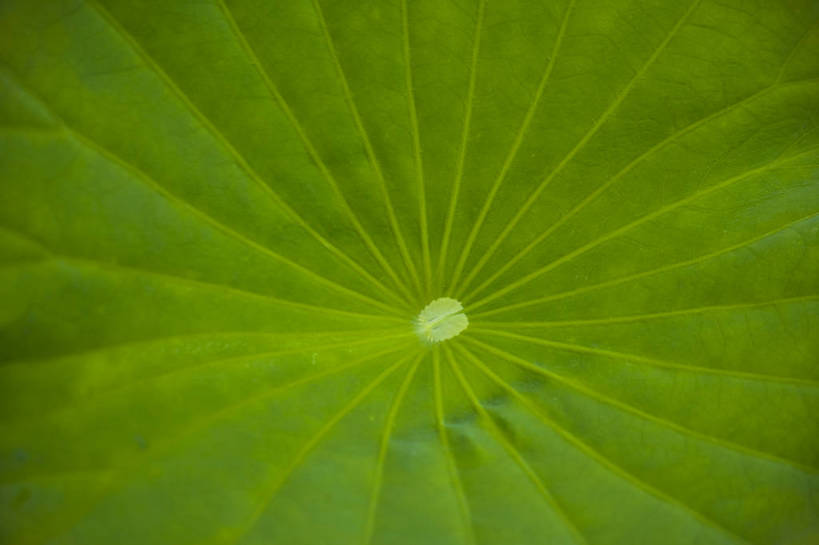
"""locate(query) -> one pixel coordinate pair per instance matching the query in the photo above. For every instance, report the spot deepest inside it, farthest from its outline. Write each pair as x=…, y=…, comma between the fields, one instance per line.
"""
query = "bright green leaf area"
x=220, y=220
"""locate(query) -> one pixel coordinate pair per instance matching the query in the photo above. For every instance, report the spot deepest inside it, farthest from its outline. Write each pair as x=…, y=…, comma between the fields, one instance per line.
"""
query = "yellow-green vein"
x=158, y=188
x=452, y=466
x=797, y=44
x=621, y=96
x=510, y=157
x=416, y=147
x=512, y=451
x=456, y=184
x=572, y=347
x=590, y=451
x=119, y=268
x=222, y=139
x=219, y=226
x=94, y=397
x=130, y=465
x=368, y=147
x=389, y=423
x=629, y=318
x=274, y=487
x=637, y=276
x=627, y=408
x=643, y=219
x=311, y=150
x=626, y=169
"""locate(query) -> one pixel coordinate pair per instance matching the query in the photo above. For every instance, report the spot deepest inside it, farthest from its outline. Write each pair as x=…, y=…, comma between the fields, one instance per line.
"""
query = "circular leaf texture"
x=220, y=220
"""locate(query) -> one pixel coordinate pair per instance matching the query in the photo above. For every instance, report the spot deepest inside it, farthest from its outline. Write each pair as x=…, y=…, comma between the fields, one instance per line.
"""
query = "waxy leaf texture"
x=220, y=221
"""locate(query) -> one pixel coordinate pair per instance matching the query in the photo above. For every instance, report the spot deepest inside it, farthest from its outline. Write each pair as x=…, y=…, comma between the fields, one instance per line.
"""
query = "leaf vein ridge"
x=593, y=453
x=470, y=102
x=310, y=148
x=626, y=169
x=621, y=96
x=647, y=316
x=272, y=490
x=197, y=212
x=210, y=419
x=452, y=465
x=626, y=407
x=389, y=424
x=348, y=95
x=510, y=157
x=513, y=452
x=651, y=272
x=636, y=223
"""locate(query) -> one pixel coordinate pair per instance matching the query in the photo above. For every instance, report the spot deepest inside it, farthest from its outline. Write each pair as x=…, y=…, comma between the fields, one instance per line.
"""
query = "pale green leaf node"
x=440, y=320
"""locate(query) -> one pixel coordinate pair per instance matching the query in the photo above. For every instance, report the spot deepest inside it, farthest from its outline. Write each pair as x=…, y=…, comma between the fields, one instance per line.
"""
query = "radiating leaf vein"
x=593, y=453
x=621, y=96
x=623, y=406
x=510, y=157
x=513, y=452
x=636, y=223
x=273, y=488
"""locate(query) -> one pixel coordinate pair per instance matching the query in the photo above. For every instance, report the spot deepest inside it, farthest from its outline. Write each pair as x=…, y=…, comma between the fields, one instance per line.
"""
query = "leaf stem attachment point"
x=440, y=320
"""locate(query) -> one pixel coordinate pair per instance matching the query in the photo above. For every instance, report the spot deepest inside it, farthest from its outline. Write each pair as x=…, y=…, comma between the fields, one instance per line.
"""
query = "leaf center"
x=440, y=320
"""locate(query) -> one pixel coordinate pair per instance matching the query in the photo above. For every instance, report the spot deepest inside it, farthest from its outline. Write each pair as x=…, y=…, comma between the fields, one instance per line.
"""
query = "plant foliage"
x=219, y=220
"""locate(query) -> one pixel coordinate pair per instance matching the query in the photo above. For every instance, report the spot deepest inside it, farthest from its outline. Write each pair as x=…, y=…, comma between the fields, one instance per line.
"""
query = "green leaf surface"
x=220, y=220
